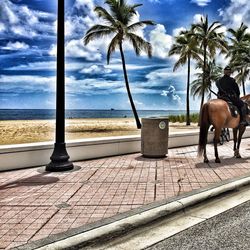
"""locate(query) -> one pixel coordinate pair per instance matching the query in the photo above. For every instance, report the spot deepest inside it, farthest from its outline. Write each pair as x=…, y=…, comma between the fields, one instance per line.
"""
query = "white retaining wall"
x=38, y=154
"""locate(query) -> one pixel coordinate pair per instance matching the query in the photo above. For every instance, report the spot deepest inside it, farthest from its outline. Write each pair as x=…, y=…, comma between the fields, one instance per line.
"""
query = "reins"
x=212, y=91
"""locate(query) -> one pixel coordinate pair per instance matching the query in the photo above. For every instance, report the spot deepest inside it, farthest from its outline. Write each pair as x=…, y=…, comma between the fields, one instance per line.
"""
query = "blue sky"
x=28, y=45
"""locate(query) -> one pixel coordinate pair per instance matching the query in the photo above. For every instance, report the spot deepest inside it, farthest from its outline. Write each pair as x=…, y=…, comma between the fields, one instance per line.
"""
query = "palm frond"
x=181, y=61
x=139, y=44
x=214, y=26
x=112, y=46
x=175, y=50
x=96, y=35
x=101, y=12
x=99, y=27
x=140, y=24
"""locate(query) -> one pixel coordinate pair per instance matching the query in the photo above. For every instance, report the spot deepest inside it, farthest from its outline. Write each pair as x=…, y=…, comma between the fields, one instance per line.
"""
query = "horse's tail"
x=204, y=125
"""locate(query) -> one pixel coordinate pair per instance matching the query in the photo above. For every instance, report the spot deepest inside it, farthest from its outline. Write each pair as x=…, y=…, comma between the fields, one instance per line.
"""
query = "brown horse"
x=216, y=112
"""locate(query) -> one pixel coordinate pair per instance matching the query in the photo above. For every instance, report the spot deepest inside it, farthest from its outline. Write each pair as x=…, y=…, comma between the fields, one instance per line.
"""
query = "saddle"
x=233, y=109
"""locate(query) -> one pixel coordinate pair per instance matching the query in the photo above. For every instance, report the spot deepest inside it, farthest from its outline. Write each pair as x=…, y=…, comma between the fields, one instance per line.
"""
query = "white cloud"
x=27, y=83
x=30, y=16
x=20, y=20
x=222, y=29
x=76, y=48
x=160, y=41
x=197, y=18
x=53, y=50
x=177, y=31
x=237, y=12
x=47, y=65
x=165, y=73
x=96, y=69
x=69, y=28
x=138, y=103
x=35, y=66
x=77, y=26
x=93, y=86
x=9, y=13
x=22, y=31
x=161, y=76
x=172, y=95
x=201, y=3
x=90, y=86
x=118, y=66
x=2, y=27
x=16, y=46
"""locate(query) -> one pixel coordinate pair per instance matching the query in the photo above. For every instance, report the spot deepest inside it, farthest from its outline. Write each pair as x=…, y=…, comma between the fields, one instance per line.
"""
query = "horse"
x=216, y=112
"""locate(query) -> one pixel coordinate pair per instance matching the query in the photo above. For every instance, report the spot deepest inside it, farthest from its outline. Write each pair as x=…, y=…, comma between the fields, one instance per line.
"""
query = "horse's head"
x=246, y=98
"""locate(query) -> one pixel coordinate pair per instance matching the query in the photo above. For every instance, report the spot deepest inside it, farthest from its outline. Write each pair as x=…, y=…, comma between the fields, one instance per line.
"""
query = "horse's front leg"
x=216, y=140
x=241, y=132
x=235, y=132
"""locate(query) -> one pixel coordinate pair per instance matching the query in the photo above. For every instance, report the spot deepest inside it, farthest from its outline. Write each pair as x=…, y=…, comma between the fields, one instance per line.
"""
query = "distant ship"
x=112, y=109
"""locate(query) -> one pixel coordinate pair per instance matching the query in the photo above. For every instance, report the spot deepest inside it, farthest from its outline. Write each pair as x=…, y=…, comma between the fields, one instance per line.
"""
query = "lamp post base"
x=59, y=159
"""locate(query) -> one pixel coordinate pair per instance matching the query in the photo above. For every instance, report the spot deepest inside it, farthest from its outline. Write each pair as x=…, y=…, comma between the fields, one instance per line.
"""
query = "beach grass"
x=194, y=118
x=29, y=131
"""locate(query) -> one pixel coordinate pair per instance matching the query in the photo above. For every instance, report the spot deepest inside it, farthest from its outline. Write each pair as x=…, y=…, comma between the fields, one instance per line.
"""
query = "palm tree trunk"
x=188, y=88
x=244, y=87
x=203, y=76
x=138, y=123
x=243, y=82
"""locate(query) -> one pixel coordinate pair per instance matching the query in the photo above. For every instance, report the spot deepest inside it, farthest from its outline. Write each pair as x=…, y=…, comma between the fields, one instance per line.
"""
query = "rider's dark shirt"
x=227, y=86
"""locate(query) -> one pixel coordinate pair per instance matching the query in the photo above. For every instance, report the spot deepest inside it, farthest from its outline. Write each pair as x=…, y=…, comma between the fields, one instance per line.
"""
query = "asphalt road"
x=229, y=230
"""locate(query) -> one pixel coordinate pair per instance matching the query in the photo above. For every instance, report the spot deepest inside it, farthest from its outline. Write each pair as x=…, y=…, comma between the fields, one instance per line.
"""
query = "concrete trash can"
x=154, y=136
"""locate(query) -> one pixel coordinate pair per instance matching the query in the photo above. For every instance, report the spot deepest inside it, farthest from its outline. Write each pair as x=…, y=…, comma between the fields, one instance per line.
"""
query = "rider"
x=229, y=91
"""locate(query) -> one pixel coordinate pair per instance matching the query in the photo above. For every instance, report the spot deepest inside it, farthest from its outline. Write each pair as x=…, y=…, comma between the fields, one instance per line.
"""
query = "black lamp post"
x=60, y=158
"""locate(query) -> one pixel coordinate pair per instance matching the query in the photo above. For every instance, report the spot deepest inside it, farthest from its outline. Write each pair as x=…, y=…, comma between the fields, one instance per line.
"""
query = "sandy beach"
x=28, y=131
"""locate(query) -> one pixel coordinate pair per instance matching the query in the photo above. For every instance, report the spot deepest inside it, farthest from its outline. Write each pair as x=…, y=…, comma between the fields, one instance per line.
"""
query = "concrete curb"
x=142, y=216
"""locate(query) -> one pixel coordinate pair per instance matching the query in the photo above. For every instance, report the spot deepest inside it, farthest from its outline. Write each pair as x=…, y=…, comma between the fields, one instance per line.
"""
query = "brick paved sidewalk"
x=35, y=204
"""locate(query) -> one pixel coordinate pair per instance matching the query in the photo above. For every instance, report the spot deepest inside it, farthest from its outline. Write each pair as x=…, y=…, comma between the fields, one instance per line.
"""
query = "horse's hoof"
x=217, y=160
x=206, y=161
x=238, y=156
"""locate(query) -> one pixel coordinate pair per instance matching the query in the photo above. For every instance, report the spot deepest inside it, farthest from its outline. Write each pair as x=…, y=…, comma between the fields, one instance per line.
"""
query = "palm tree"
x=210, y=39
x=212, y=74
x=243, y=74
x=238, y=50
x=186, y=47
x=118, y=23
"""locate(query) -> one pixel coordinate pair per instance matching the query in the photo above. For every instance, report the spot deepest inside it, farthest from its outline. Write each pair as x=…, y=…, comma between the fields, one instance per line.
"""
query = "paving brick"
x=35, y=204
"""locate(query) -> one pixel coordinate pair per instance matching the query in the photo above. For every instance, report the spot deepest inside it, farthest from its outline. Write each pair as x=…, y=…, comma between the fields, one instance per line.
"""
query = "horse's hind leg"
x=205, y=144
x=205, y=155
x=216, y=140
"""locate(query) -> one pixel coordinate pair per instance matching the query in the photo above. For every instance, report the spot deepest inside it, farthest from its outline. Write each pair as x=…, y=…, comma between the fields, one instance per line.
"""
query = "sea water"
x=44, y=114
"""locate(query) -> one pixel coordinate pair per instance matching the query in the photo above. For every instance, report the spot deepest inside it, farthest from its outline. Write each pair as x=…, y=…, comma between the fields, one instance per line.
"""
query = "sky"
x=28, y=54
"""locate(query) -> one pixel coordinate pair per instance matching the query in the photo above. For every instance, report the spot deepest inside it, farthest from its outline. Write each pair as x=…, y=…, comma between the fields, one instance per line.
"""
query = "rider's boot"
x=243, y=118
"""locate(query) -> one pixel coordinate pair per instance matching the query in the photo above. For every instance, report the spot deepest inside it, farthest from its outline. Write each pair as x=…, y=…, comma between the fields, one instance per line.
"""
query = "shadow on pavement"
x=36, y=180
x=225, y=162
x=149, y=159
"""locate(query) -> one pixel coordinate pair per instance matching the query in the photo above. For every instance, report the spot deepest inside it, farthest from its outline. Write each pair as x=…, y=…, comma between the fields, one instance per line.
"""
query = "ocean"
x=44, y=114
